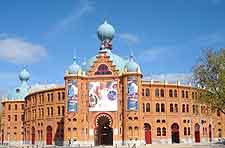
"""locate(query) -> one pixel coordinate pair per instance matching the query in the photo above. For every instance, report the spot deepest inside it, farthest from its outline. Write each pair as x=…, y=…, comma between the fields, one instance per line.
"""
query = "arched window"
x=103, y=70
x=59, y=96
x=63, y=110
x=48, y=97
x=183, y=108
x=48, y=111
x=176, y=108
x=182, y=92
x=42, y=112
x=218, y=113
x=130, y=131
x=147, y=92
x=163, y=131
x=135, y=131
x=63, y=95
x=189, y=131
x=52, y=97
x=157, y=92
x=219, y=133
x=143, y=107
x=193, y=109
x=170, y=93
x=162, y=107
x=143, y=91
x=51, y=111
x=58, y=110
x=187, y=108
x=148, y=107
x=158, y=131
x=171, y=107
x=186, y=94
x=157, y=107
x=185, y=131
x=175, y=93
x=162, y=92
x=193, y=95
x=130, y=118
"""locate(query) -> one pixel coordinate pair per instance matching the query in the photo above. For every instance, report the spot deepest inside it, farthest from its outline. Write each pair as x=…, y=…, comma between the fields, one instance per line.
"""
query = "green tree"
x=209, y=74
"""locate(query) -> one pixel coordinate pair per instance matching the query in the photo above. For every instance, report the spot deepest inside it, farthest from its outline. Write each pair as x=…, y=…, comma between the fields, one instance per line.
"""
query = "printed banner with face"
x=103, y=96
x=132, y=94
x=72, y=96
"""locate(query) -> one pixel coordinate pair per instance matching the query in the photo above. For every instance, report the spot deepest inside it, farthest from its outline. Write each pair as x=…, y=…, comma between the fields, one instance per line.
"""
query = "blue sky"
x=167, y=37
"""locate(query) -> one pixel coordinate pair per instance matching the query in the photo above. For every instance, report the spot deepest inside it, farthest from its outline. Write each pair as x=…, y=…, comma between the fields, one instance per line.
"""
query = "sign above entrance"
x=103, y=96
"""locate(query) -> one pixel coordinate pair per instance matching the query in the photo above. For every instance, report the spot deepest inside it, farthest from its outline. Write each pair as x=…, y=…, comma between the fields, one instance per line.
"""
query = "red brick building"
x=105, y=101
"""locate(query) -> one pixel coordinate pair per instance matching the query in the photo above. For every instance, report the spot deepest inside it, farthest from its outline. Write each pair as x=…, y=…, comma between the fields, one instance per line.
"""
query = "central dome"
x=24, y=75
x=105, y=32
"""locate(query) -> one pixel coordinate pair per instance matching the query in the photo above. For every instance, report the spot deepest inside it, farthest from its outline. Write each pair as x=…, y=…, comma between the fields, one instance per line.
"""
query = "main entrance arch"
x=210, y=133
x=148, y=135
x=49, y=136
x=175, y=133
x=33, y=135
x=103, y=130
x=197, y=133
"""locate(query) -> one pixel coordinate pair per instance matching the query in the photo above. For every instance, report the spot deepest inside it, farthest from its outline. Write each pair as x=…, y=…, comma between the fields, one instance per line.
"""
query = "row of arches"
x=161, y=93
x=48, y=135
x=175, y=134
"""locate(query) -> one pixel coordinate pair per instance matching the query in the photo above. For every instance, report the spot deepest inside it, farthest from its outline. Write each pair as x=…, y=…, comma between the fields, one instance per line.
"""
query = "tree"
x=209, y=74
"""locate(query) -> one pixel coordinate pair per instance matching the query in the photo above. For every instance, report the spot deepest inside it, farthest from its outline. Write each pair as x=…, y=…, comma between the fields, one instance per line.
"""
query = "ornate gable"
x=103, y=65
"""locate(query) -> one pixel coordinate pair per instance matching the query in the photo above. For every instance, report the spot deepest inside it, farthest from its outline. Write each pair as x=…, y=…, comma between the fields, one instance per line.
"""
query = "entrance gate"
x=175, y=133
x=148, y=137
x=197, y=133
x=33, y=136
x=49, y=135
x=103, y=131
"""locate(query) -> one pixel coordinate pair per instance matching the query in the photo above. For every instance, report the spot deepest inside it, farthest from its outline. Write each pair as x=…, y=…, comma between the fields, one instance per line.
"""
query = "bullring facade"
x=105, y=101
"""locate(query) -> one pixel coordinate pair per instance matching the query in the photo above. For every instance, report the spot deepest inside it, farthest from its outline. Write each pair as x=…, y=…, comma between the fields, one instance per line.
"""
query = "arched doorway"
x=103, y=131
x=148, y=135
x=49, y=136
x=197, y=133
x=33, y=135
x=175, y=133
x=2, y=136
x=210, y=133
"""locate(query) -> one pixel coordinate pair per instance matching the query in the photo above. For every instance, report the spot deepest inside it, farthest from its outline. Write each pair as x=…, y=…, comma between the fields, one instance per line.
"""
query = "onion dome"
x=105, y=31
x=20, y=92
x=24, y=75
x=131, y=65
x=74, y=68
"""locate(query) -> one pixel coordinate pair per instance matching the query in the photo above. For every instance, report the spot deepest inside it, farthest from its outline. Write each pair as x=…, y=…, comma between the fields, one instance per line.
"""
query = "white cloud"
x=171, y=77
x=128, y=37
x=151, y=54
x=82, y=8
x=19, y=51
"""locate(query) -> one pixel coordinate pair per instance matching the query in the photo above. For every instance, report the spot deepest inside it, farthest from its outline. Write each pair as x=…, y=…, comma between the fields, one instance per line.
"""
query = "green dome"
x=131, y=65
x=20, y=92
x=73, y=68
x=105, y=32
x=24, y=75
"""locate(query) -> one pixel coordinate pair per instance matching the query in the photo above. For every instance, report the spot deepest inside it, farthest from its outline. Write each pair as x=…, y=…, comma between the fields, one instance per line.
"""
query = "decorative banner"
x=132, y=94
x=103, y=96
x=72, y=96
